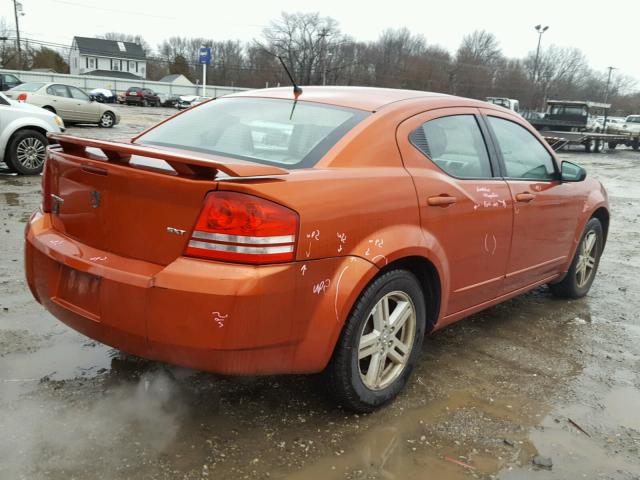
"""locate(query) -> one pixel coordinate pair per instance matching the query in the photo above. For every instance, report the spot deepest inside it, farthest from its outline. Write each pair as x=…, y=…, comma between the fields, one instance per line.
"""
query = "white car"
x=71, y=103
x=631, y=126
x=23, y=135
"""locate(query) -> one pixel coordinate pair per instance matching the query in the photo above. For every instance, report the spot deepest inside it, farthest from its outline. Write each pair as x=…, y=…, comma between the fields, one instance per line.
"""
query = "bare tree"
x=305, y=41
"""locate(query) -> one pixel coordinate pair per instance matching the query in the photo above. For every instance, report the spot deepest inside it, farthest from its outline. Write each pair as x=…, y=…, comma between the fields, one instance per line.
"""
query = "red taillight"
x=140, y=94
x=46, y=189
x=22, y=97
x=237, y=227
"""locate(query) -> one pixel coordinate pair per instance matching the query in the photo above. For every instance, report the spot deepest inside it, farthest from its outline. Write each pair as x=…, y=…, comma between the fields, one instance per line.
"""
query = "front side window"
x=272, y=131
x=524, y=156
x=58, y=90
x=78, y=94
x=455, y=144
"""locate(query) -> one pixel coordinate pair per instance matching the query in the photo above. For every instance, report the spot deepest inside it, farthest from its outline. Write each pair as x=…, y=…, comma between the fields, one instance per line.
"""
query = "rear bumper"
x=225, y=318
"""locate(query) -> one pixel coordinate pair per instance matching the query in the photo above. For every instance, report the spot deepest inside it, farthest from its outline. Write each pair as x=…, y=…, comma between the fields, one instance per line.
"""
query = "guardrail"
x=117, y=85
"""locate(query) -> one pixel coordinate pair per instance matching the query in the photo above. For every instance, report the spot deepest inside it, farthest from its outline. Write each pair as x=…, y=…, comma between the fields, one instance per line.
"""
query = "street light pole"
x=606, y=97
x=540, y=29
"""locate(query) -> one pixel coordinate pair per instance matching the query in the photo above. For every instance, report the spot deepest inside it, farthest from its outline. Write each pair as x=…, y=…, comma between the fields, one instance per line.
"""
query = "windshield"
x=272, y=131
x=633, y=120
x=28, y=87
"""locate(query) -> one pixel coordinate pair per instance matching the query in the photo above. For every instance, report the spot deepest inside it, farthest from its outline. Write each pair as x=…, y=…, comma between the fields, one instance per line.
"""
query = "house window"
x=116, y=65
x=131, y=65
x=121, y=47
x=75, y=62
x=92, y=63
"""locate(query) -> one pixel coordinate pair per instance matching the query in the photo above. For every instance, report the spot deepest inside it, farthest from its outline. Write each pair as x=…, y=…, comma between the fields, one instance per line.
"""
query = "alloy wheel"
x=106, y=120
x=586, y=259
x=386, y=340
x=30, y=153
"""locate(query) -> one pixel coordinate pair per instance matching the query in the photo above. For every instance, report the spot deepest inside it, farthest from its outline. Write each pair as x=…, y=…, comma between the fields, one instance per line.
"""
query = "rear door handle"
x=441, y=201
x=525, y=197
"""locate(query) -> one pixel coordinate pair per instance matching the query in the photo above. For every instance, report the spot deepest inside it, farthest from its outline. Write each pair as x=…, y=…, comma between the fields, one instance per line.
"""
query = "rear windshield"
x=134, y=89
x=271, y=131
x=28, y=87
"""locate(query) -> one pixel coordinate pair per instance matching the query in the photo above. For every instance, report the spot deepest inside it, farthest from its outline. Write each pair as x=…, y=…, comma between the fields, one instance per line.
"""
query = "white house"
x=96, y=56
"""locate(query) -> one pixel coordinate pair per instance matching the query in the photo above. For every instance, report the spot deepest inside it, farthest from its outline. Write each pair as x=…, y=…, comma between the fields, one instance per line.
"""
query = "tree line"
x=317, y=52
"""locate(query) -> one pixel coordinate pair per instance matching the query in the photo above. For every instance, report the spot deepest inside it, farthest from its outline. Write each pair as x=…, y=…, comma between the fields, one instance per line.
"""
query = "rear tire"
x=612, y=145
x=144, y=102
x=578, y=280
x=26, y=152
x=374, y=356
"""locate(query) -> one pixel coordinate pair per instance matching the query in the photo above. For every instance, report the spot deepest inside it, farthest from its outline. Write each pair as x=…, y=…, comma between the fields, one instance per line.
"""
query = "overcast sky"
x=606, y=37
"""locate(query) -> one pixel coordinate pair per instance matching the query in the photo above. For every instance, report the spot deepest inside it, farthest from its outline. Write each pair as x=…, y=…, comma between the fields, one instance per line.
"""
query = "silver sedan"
x=67, y=101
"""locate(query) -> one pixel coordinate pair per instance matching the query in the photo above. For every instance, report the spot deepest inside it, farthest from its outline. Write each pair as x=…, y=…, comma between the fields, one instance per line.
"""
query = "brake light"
x=46, y=189
x=22, y=97
x=140, y=94
x=238, y=227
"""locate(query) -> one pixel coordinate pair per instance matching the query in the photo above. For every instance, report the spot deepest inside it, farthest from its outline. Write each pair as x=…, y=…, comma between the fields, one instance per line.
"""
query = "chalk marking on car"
x=219, y=318
x=321, y=287
x=335, y=303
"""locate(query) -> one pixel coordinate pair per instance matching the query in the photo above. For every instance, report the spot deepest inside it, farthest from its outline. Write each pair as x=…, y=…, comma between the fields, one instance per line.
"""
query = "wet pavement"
x=534, y=379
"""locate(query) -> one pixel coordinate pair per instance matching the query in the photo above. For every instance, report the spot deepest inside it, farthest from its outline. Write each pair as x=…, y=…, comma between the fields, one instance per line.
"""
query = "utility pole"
x=323, y=54
x=606, y=97
x=17, y=8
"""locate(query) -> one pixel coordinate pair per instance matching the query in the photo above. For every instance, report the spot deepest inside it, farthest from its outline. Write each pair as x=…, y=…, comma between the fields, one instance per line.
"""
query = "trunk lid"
x=133, y=201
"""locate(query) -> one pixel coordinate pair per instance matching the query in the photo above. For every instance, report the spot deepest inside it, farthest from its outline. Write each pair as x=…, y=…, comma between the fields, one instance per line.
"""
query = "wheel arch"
x=602, y=214
x=430, y=283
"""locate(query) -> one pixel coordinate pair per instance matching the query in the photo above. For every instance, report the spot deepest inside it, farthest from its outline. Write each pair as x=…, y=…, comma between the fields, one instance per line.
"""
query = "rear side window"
x=58, y=90
x=272, y=131
x=455, y=144
x=524, y=156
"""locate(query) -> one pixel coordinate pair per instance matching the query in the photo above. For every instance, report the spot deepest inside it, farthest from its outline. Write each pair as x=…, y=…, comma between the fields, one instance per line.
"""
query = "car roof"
x=363, y=98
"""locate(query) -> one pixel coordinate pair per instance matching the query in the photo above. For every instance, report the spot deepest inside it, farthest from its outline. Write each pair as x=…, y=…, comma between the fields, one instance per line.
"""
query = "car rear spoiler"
x=184, y=164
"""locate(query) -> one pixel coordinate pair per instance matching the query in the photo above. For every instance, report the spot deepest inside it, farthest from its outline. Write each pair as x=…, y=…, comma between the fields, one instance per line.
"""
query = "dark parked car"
x=8, y=81
x=142, y=96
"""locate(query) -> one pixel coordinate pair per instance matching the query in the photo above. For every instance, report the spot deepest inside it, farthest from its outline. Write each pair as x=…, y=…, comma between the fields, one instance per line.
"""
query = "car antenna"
x=296, y=89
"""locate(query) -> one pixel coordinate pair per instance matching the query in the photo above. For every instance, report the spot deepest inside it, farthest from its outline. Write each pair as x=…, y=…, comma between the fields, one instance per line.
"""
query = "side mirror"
x=570, y=172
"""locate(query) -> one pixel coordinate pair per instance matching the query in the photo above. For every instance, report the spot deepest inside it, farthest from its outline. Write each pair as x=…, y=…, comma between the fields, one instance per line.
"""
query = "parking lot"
x=493, y=396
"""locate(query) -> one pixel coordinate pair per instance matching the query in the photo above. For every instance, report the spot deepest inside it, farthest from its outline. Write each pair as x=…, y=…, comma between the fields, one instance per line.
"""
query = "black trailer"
x=592, y=141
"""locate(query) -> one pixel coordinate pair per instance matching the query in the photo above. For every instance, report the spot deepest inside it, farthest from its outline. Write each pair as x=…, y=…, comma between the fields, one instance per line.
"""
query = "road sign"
x=204, y=56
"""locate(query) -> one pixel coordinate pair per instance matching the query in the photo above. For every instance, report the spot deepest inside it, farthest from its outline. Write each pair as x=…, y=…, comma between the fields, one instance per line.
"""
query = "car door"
x=464, y=204
x=61, y=101
x=85, y=109
x=546, y=211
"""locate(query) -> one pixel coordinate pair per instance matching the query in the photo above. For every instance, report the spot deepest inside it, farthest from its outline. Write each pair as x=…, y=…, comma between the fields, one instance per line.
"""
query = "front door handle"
x=525, y=197
x=441, y=201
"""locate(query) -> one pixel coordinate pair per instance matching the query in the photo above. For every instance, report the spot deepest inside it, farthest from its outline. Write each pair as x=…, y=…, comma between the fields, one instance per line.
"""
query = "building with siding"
x=89, y=55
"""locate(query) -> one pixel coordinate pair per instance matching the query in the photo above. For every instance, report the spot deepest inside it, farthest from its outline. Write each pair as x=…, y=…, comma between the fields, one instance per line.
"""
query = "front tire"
x=26, y=152
x=107, y=120
x=578, y=280
x=379, y=344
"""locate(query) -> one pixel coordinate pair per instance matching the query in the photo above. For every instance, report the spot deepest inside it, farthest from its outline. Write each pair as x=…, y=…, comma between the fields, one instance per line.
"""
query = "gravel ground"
x=533, y=388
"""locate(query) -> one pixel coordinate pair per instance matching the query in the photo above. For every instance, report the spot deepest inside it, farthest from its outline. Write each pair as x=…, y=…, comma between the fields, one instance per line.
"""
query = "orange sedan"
x=329, y=230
